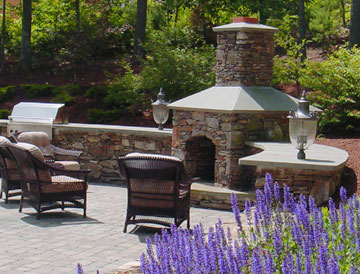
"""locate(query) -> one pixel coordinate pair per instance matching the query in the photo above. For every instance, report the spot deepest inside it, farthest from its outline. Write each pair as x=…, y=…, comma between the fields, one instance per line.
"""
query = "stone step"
x=209, y=196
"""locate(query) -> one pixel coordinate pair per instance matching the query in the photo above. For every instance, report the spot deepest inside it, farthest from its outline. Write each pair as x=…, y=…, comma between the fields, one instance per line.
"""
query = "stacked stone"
x=244, y=58
x=102, y=148
x=228, y=132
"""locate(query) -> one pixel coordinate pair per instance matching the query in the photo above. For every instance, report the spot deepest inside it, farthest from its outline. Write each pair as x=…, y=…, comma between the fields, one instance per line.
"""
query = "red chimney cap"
x=250, y=20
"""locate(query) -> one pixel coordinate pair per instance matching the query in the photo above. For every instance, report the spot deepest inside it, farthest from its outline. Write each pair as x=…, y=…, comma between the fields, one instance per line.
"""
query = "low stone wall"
x=320, y=184
x=103, y=144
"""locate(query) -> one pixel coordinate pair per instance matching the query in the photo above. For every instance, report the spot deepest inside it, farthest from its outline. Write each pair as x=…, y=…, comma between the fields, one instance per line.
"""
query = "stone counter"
x=318, y=175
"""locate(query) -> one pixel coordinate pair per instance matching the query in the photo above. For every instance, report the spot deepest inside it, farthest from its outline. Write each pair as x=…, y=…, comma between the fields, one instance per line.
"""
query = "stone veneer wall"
x=244, y=58
x=103, y=144
x=320, y=184
x=228, y=132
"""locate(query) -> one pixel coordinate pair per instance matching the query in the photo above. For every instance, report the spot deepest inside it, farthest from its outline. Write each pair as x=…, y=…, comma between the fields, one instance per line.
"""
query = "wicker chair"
x=10, y=178
x=50, y=152
x=158, y=189
x=44, y=186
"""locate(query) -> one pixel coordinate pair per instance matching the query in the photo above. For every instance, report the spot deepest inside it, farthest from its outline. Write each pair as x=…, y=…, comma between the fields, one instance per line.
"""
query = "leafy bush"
x=63, y=97
x=69, y=88
x=96, y=92
x=284, y=236
x=336, y=83
x=125, y=93
x=179, y=69
x=4, y=113
x=6, y=93
x=38, y=90
x=98, y=116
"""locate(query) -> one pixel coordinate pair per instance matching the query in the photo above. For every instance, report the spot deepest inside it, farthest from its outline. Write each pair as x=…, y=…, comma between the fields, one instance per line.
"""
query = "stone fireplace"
x=210, y=128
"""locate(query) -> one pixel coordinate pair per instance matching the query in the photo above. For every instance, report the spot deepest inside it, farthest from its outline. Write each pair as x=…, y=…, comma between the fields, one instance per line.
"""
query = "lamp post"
x=302, y=126
x=160, y=110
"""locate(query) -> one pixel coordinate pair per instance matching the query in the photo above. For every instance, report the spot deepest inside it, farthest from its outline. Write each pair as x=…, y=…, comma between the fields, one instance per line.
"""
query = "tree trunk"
x=2, y=45
x=302, y=28
x=354, y=37
x=342, y=11
x=77, y=12
x=140, y=30
x=25, y=55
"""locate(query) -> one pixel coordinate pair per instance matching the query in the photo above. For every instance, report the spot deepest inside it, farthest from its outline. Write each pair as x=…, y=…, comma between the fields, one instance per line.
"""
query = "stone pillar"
x=244, y=55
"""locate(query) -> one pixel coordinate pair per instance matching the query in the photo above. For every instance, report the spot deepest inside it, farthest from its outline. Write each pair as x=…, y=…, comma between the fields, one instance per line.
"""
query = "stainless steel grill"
x=36, y=117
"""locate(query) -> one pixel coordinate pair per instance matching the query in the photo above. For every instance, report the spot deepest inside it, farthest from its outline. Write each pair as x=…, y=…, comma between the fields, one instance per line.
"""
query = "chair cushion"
x=44, y=175
x=69, y=165
x=152, y=156
x=39, y=139
x=4, y=140
x=62, y=183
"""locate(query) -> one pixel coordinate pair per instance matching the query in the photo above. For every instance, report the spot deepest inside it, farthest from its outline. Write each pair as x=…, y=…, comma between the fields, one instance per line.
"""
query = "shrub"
x=98, y=116
x=69, y=88
x=63, y=97
x=4, y=113
x=38, y=90
x=125, y=93
x=336, y=83
x=96, y=92
x=6, y=93
x=285, y=236
x=180, y=69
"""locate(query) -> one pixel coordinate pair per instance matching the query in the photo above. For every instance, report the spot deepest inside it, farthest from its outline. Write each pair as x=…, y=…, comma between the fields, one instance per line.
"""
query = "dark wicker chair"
x=44, y=186
x=10, y=178
x=158, y=189
x=69, y=159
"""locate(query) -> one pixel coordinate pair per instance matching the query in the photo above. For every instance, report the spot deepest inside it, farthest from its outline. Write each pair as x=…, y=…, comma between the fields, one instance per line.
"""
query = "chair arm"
x=68, y=152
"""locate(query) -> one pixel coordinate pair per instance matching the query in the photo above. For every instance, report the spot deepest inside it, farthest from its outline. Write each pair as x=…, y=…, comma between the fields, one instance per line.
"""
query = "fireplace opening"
x=200, y=158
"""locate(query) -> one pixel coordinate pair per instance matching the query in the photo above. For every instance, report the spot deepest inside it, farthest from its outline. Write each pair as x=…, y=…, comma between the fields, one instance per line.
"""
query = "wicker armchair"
x=44, y=186
x=50, y=152
x=158, y=189
x=10, y=178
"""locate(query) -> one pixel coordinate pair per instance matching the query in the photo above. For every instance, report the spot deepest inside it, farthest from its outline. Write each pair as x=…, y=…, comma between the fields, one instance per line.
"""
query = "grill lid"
x=38, y=113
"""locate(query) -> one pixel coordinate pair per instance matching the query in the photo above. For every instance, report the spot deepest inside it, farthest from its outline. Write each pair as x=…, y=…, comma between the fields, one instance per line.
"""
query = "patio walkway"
x=59, y=240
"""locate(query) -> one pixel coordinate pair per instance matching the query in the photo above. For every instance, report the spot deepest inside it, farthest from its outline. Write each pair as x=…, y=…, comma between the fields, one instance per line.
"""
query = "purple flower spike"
x=343, y=194
x=277, y=193
x=79, y=269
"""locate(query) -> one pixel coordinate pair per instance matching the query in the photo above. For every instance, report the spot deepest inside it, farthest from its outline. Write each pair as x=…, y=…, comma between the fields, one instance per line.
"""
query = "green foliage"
x=336, y=86
x=38, y=90
x=325, y=20
x=98, y=116
x=63, y=97
x=181, y=70
x=4, y=113
x=125, y=93
x=96, y=92
x=6, y=93
x=72, y=89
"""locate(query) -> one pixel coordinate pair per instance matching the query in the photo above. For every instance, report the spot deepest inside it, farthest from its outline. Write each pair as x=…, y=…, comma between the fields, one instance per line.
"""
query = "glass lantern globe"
x=160, y=110
x=302, y=127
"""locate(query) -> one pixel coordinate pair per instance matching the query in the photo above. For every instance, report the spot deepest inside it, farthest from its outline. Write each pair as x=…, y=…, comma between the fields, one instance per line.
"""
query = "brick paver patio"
x=59, y=240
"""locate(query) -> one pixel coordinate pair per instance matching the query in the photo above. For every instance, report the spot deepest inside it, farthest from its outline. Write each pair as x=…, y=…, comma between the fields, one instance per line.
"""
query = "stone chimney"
x=244, y=55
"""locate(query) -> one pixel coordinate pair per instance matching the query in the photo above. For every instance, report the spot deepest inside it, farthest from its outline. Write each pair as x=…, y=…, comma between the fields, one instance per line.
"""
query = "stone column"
x=244, y=55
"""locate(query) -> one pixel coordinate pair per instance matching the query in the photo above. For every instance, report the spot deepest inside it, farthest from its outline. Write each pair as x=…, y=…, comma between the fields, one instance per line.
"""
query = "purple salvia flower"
x=277, y=193
x=268, y=189
x=343, y=194
x=350, y=220
x=333, y=212
x=333, y=266
x=236, y=211
x=256, y=266
x=287, y=265
x=297, y=234
x=308, y=264
x=244, y=253
x=269, y=264
x=298, y=263
x=277, y=241
x=79, y=269
x=248, y=211
x=144, y=264
x=286, y=204
x=343, y=219
x=323, y=259
x=353, y=270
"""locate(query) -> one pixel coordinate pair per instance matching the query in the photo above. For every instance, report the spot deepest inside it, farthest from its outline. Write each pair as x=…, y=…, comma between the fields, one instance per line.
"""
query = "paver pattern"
x=60, y=239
